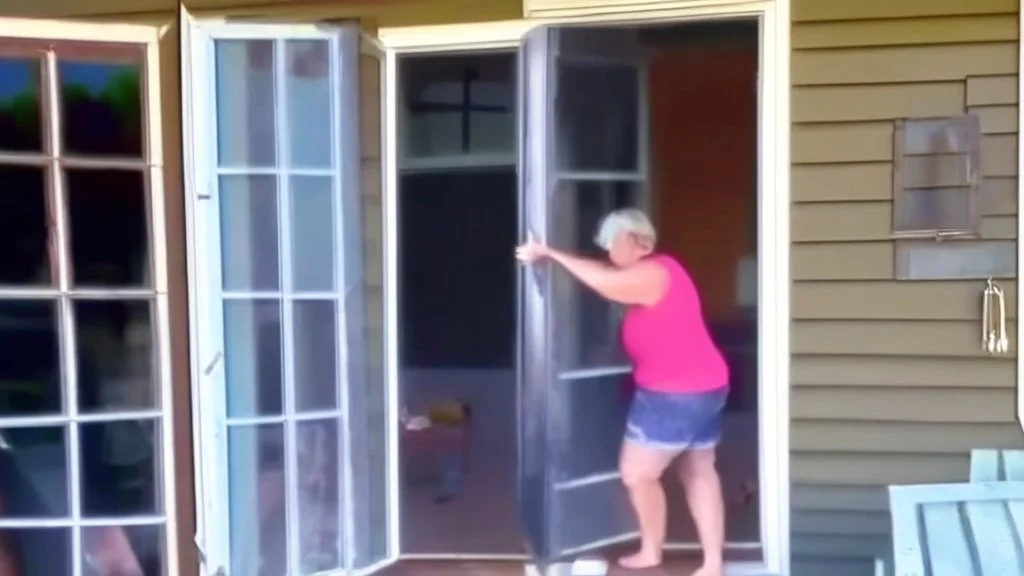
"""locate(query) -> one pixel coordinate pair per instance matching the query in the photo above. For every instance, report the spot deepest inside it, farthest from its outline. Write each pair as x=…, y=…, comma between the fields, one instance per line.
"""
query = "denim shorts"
x=676, y=421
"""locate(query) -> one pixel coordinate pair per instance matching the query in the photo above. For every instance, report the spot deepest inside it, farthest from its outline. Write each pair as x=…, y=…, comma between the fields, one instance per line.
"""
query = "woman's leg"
x=703, y=488
x=641, y=468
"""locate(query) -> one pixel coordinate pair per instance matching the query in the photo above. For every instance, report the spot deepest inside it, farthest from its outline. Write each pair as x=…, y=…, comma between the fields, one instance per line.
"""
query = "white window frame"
x=773, y=220
x=213, y=534
x=147, y=37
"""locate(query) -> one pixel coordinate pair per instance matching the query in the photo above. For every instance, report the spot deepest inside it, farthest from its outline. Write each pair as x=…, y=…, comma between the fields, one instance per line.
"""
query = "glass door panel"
x=581, y=158
x=290, y=304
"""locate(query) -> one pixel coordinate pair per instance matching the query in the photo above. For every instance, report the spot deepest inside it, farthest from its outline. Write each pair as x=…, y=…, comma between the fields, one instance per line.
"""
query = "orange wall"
x=704, y=163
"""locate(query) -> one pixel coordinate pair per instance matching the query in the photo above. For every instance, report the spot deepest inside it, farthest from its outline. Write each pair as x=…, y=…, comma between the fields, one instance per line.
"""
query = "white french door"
x=292, y=406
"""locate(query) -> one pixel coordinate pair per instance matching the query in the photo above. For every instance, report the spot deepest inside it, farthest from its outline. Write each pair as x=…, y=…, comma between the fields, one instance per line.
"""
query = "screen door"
x=582, y=156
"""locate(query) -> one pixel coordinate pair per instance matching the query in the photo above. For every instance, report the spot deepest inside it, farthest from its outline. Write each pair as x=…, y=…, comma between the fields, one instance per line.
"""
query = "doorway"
x=457, y=189
x=688, y=94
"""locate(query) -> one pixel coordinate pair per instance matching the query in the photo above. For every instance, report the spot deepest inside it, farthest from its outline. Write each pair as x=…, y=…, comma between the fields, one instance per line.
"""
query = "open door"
x=291, y=397
x=582, y=155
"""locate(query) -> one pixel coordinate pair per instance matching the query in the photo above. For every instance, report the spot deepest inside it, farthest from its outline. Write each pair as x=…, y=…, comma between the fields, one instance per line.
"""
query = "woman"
x=681, y=377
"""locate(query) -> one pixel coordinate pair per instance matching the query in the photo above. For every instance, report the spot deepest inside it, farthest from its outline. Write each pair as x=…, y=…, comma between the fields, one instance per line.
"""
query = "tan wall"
x=889, y=382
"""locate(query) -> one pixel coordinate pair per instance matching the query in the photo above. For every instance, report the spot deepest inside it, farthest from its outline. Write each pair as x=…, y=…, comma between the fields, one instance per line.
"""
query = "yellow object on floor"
x=449, y=412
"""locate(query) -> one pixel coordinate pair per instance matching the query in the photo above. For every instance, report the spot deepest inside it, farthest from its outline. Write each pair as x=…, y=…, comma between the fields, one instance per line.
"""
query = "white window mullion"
x=291, y=461
x=68, y=357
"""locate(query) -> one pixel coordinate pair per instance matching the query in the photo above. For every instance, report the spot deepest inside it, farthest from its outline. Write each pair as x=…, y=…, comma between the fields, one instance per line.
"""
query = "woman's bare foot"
x=708, y=570
x=640, y=560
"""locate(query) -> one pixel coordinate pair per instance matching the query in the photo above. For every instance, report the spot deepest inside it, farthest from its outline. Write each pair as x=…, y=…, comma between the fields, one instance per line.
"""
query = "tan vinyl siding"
x=889, y=381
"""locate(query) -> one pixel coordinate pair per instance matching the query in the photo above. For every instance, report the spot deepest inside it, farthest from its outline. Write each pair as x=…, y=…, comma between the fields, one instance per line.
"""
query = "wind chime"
x=993, y=320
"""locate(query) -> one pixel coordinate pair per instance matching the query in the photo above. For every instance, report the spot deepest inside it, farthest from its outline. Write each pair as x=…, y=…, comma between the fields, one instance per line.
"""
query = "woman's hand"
x=531, y=251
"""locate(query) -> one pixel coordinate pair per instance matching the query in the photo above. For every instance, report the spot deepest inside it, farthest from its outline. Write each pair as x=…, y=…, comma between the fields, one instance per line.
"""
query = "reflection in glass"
x=116, y=356
x=252, y=357
x=118, y=550
x=120, y=463
x=308, y=85
x=34, y=472
x=257, y=500
x=311, y=214
x=248, y=232
x=315, y=354
x=597, y=118
x=589, y=327
x=21, y=128
x=108, y=226
x=24, y=225
x=591, y=426
x=31, y=551
x=318, y=502
x=458, y=105
x=245, y=102
x=101, y=105
x=30, y=382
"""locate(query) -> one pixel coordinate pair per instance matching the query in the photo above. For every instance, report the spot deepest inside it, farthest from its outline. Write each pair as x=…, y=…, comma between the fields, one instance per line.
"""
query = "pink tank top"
x=669, y=342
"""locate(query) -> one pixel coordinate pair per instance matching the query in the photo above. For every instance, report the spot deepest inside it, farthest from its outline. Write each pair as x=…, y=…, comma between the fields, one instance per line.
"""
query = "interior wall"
x=704, y=163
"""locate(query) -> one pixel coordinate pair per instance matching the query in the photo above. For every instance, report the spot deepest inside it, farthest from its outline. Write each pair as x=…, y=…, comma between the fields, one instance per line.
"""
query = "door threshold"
x=438, y=567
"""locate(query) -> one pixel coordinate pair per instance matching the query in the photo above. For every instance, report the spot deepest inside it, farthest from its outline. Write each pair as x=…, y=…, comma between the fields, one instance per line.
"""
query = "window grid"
x=291, y=417
x=949, y=149
x=52, y=160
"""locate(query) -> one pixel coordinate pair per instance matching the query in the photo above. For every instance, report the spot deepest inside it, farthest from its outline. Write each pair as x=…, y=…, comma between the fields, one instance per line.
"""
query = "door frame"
x=773, y=222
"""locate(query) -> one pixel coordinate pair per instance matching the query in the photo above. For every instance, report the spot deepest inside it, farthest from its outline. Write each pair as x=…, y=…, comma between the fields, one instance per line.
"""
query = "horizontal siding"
x=890, y=384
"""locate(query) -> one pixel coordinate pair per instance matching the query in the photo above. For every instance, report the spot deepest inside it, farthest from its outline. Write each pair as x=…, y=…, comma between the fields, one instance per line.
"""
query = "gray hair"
x=631, y=220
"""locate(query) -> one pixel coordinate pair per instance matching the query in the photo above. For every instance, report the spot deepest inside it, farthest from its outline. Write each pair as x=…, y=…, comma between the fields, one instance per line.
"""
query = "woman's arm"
x=643, y=283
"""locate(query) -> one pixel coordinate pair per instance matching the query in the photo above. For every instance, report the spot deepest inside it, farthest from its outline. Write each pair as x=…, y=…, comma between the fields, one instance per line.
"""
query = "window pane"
x=937, y=209
x=315, y=354
x=257, y=499
x=120, y=464
x=114, y=347
x=21, y=129
x=318, y=496
x=938, y=170
x=309, y=103
x=434, y=134
x=941, y=135
x=30, y=380
x=25, y=551
x=123, y=550
x=590, y=324
x=245, y=102
x=252, y=357
x=248, y=232
x=102, y=108
x=25, y=223
x=312, y=230
x=109, y=227
x=592, y=425
x=34, y=473
x=596, y=106
x=459, y=105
